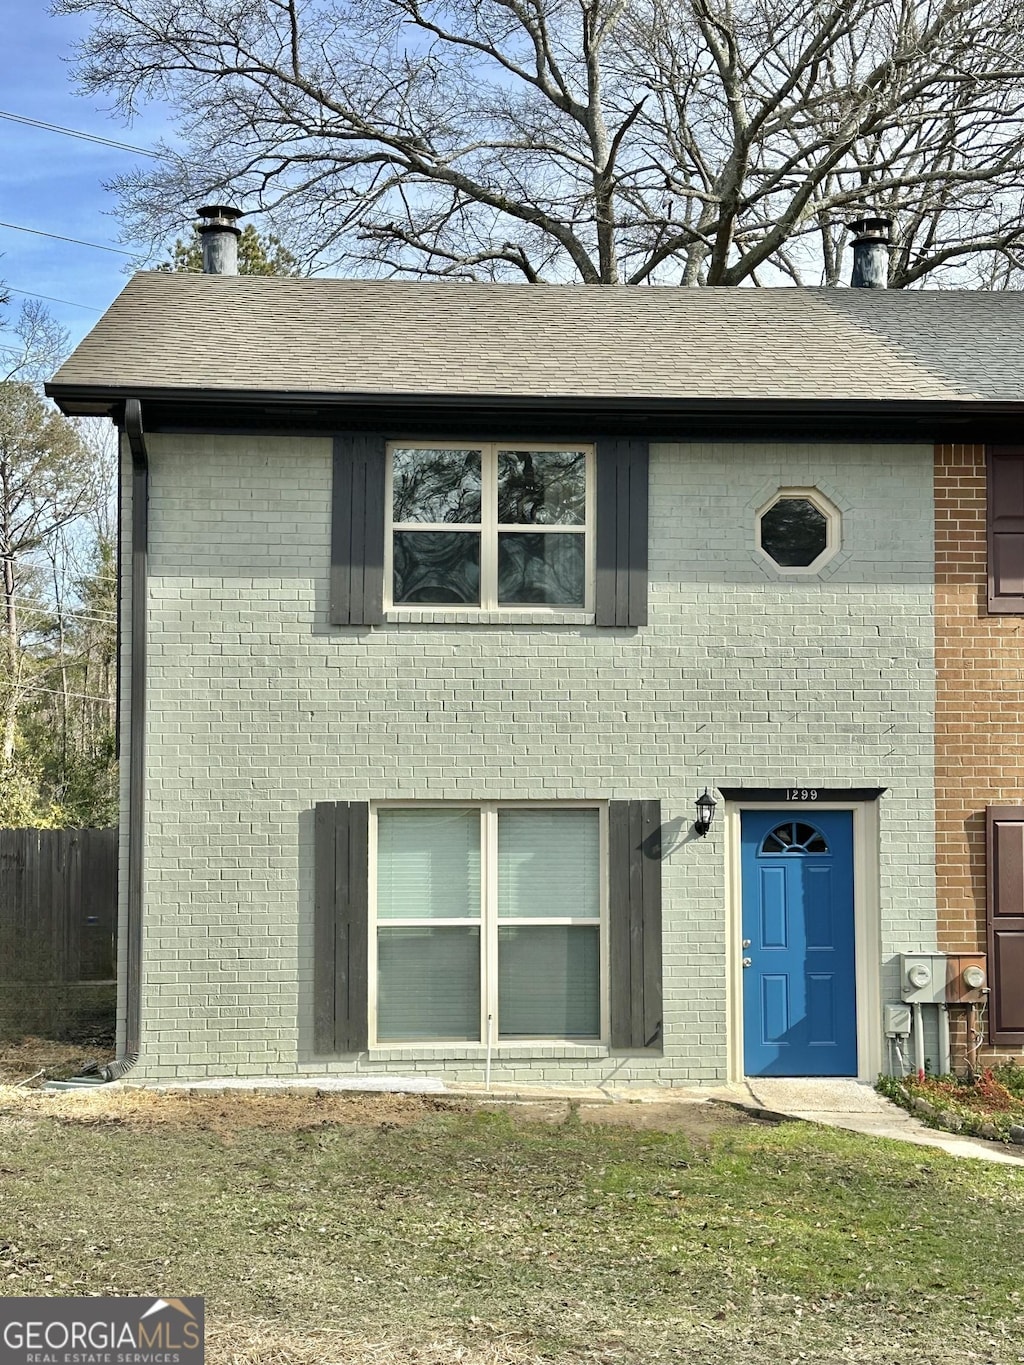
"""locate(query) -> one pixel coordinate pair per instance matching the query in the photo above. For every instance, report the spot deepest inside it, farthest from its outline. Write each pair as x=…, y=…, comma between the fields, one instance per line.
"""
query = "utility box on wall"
x=923, y=978
x=943, y=978
x=966, y=978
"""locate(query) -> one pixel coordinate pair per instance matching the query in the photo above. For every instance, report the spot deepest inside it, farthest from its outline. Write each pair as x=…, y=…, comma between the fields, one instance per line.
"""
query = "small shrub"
x=1010, y=1074
x=994, y=1101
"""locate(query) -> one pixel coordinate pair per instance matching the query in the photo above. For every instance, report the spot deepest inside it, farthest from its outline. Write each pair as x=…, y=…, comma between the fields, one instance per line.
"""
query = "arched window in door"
x=794, y=836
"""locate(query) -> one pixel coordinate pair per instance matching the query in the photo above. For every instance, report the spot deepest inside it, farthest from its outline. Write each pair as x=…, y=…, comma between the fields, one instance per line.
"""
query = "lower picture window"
x=488, y=924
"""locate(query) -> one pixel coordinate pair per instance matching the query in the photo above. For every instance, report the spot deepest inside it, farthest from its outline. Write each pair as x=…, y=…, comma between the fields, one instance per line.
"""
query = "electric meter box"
x=966, y=978
x=923, y=978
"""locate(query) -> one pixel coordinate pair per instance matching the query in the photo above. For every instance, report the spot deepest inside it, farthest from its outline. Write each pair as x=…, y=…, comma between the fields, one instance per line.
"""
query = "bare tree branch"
x=688, y=141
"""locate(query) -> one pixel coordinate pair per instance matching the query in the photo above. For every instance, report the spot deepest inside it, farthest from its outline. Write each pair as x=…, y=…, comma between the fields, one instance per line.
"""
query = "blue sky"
x=55, y=183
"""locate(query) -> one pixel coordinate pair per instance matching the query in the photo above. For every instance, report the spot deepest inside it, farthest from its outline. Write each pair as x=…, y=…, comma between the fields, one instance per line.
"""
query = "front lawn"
x=385, y=1229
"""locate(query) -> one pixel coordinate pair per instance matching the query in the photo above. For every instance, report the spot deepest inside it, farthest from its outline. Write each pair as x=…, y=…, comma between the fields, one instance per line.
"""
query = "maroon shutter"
x=1006, y=530
x=1004, y=828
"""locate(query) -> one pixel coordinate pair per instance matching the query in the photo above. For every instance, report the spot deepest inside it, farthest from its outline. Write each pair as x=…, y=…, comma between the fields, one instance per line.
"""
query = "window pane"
x=437, y=566
x=542, y=487
x=794, y=532
x=428, y=984
x=548, y=864
x=549, y=981
x=541, y=568
x=428, y=864
x=436, y=485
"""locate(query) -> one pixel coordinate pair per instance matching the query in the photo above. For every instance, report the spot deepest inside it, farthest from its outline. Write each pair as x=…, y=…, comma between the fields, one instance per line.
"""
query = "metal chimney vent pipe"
x=871, y=252
x=220, y=239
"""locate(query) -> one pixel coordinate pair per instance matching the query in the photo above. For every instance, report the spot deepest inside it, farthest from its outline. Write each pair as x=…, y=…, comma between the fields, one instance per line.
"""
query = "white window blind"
x=548, y=864
x=428, y=864
x=520, y=959
x=428, y=983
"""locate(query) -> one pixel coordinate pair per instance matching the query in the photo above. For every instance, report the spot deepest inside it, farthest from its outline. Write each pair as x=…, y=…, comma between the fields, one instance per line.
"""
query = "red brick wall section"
x=979, y=735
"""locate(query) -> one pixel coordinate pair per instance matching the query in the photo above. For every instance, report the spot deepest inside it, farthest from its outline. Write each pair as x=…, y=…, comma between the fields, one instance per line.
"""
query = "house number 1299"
x=801, y=794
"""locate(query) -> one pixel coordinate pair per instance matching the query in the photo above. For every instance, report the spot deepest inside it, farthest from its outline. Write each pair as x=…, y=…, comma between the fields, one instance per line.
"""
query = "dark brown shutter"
x=622, y=474
x=634, y=891
x=357, y=530
x=340, y=920
x=1006, y=530
x=1004, y=842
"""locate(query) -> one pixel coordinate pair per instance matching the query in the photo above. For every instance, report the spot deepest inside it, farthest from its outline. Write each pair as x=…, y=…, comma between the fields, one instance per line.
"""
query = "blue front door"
x=799, y=978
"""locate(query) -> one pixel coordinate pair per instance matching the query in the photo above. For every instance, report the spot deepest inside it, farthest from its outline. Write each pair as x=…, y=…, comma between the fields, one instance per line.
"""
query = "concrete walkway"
x=860, y=1108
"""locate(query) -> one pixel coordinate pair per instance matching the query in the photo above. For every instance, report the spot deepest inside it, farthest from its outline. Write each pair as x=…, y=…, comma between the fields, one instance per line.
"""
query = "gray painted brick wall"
x=258, y=709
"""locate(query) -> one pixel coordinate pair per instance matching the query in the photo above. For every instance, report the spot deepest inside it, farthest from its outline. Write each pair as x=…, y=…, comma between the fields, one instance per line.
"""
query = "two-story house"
x=443, y=604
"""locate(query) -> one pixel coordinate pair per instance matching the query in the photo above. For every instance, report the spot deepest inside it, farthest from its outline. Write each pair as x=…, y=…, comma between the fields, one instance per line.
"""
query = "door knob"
x=747, y=961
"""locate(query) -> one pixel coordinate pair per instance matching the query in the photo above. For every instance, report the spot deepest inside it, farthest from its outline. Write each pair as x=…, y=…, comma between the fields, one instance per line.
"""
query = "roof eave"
x=920, y=419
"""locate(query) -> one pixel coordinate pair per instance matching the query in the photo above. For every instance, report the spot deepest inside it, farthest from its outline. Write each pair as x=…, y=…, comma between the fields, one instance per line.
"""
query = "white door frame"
x=867, y=928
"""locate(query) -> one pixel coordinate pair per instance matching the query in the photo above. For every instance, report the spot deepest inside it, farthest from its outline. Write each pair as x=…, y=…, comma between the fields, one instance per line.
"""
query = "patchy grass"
x=396, y=1229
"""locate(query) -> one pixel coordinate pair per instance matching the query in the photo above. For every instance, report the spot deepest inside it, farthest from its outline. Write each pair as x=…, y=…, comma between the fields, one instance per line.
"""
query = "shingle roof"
x=342, y=337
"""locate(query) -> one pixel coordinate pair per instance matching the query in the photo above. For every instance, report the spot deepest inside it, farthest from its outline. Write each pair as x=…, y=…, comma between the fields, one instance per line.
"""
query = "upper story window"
x=478, y=530
x=798, y=530
x=490, y=525
x=1006, y=531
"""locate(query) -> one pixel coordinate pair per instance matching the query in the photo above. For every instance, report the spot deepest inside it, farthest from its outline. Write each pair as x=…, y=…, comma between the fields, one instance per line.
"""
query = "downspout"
x=129, y=1052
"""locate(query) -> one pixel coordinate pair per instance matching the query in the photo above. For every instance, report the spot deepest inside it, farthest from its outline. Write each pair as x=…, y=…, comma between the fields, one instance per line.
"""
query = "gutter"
x=897, y=419
x=128, y=1053
x=92, y=399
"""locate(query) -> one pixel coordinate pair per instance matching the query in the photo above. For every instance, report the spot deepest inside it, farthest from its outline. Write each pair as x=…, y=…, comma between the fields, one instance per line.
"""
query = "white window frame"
x=490, y=528
x=489, y=923
x=833, y=529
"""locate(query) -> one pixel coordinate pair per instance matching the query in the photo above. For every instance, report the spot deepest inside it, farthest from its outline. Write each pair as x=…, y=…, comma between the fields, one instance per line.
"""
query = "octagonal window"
x=798, y=530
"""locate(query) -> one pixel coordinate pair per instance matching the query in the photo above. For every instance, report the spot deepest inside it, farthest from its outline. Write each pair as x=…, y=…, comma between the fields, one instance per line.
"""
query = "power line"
x=66, y=615
x=41, y=609
x=50, y=299
x=37, y=232
x=56, y=692
x=86, y=137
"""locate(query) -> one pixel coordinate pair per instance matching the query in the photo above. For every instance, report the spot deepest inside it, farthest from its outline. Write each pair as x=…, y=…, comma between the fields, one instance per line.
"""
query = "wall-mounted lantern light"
x=705, y=813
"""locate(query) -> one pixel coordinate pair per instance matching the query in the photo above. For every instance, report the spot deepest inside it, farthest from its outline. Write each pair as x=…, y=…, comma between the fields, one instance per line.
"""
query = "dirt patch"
x=673, y=1116
x=695, y=1118
x=35, y=1060
x=225, y=1112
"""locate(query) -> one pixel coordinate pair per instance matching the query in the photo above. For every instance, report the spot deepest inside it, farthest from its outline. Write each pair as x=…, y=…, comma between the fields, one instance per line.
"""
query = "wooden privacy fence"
x=58, y=905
